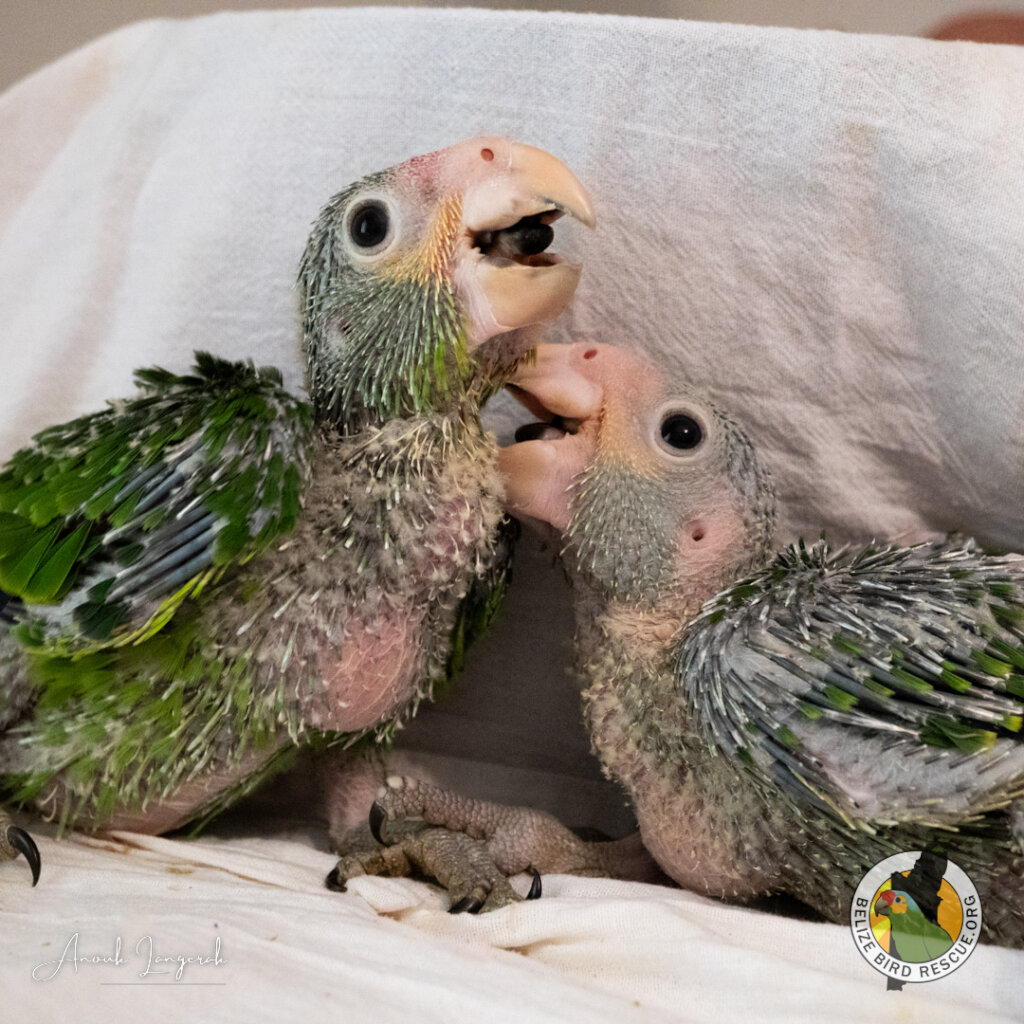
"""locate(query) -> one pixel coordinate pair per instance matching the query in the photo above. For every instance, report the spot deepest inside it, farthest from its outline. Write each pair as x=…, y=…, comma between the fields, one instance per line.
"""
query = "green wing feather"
x=109, y=522
x=878, y=685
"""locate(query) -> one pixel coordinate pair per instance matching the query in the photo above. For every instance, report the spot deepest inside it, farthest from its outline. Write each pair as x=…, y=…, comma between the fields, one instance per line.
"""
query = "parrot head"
x=654, y=490
x=409, y=273
x=892, y=901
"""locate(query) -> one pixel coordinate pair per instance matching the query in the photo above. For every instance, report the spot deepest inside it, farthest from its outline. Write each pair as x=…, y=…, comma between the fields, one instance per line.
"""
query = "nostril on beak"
x=590, y=353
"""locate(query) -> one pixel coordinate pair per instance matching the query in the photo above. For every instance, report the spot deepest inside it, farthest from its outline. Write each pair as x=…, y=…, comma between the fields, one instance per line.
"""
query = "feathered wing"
x=480, y=606
x=109, y=522
x=883, y=687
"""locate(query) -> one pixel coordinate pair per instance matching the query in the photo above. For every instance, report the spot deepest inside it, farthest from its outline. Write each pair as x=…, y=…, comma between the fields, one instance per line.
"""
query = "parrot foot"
x=460, y=864
x=384, y=862
x=516, y=839
x=15, y=840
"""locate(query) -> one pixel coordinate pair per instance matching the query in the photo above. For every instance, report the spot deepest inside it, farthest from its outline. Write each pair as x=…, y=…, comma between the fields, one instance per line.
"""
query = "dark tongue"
x=527, y=237
x=538, y=432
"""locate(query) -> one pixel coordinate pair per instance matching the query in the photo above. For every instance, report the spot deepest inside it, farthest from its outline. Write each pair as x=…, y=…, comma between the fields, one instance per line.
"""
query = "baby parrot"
x=781, y=721
x=197, y=580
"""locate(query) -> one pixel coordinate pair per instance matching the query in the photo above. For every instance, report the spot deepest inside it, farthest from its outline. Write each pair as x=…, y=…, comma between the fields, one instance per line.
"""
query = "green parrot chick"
x=781, y=721
x=198, y=579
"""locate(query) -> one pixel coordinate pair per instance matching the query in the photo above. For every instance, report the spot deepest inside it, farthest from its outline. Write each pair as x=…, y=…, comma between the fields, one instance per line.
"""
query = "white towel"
x=824, y=229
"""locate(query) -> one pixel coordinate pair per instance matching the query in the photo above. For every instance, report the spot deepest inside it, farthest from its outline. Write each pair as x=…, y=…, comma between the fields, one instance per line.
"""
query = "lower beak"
x=517, y=296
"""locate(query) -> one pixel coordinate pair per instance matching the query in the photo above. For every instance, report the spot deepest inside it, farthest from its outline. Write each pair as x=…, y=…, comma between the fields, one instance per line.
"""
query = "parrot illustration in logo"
x=910, y=905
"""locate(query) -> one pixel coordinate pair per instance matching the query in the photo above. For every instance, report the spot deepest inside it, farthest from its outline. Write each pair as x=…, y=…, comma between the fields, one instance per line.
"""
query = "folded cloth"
x=590, y=950
x=823, y=229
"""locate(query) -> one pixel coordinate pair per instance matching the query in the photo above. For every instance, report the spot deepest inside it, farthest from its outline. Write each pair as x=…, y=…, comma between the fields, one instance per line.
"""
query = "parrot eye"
x=369, y=226
x=680, y=432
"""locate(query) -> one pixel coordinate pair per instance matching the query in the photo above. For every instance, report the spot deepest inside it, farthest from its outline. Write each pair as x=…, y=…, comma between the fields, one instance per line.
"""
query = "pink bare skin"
x=168, y=813
x=347, y=671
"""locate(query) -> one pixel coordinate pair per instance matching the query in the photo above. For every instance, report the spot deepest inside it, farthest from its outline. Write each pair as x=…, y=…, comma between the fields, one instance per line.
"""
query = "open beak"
x=508, y=276
x=548, y=455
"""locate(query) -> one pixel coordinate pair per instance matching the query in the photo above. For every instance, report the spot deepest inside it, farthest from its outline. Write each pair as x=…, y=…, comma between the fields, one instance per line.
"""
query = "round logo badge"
x=915, y=917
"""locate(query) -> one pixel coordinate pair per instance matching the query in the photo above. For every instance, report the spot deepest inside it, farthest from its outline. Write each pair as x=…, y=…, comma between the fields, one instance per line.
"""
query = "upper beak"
x=505, y=288
x=555, y=383
x=523, y=181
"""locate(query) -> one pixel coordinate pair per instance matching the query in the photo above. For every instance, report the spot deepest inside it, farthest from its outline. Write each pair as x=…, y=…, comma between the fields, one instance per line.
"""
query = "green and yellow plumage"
x=109, y=522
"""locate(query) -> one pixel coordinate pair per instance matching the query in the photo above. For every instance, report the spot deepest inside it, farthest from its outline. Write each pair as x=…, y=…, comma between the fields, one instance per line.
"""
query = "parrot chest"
x=356, y=609
x=706, y=832
x=706, y=829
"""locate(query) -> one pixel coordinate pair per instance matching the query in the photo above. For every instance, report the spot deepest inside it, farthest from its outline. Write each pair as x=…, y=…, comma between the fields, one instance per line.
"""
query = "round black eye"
x=681, y=432
x=368, y=225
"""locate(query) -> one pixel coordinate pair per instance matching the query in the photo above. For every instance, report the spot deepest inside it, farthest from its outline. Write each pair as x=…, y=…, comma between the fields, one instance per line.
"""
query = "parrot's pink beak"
x=564, y=387
x=511, y=195
x=548, y=455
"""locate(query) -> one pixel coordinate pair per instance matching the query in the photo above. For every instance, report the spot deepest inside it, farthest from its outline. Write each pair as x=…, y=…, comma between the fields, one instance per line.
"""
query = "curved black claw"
x=25, y=845
x=535, y=886
x=467, y=905
x=377, y=819
x=335, y=881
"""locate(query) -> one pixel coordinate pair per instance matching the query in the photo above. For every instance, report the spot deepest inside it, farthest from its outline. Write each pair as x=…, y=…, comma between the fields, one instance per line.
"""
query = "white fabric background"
x=824, y=229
